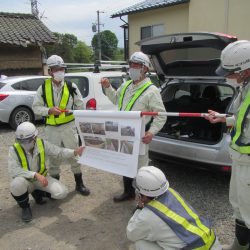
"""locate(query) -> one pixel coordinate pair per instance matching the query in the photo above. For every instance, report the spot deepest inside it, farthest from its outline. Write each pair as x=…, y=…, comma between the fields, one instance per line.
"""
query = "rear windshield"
x=2, y=84
x=190, y=54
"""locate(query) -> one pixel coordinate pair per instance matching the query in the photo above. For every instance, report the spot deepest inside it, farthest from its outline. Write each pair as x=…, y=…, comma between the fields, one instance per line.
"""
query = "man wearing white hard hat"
x=164, y=220
x=235, y=66
x=138, y=94
x=27, y=168
x=52, y=101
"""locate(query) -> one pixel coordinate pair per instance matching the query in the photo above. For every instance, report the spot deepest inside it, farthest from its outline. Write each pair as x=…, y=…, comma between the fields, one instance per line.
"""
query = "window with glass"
x=152, y=31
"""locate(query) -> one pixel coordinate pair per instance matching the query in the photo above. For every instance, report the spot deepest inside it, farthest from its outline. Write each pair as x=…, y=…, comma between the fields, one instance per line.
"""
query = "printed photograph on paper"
x=111, y=126
x=127, y=131
x=85, y=127
x=112, y=144
x=98, y=128
x=127, y=147
x=95, y=142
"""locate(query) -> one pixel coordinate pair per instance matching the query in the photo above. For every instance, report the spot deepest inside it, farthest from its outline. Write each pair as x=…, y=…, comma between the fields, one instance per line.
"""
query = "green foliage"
x=109, y=44
x=82, y=53
x=70, y=49
x=119, y=55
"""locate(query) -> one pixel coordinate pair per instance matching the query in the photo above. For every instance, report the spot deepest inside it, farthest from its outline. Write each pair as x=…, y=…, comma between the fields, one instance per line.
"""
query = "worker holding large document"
x=138, y=94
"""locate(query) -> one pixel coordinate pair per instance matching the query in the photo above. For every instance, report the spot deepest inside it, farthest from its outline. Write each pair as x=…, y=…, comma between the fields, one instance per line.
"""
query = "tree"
x=82, y=53
x=109, y=44
x=64, y=46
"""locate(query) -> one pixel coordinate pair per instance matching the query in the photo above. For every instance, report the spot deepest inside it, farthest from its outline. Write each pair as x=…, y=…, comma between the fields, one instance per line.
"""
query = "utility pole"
x=34, y=8
x=99, y=36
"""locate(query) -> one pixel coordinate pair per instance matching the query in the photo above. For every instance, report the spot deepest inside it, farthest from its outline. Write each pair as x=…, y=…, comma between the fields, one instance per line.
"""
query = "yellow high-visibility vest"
x=195, y=231
x=23, y=158
x=63, y=117
x=236, y=134
x=134, y=98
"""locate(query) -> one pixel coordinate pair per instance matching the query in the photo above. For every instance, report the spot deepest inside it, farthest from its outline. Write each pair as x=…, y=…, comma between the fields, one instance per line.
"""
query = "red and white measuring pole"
x=180, y=114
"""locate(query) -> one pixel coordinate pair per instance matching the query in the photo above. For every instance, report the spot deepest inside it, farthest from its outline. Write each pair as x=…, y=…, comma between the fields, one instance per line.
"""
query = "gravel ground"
x=95, y=222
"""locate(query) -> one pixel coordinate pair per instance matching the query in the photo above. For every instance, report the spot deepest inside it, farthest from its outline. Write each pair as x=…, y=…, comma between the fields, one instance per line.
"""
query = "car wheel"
x=20, y=115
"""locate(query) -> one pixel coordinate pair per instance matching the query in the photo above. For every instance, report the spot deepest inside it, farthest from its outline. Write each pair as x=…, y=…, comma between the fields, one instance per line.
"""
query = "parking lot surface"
x=96, y=222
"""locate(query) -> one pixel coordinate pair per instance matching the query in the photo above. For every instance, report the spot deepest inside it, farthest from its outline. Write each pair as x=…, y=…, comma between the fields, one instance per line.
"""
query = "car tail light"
x=3, y=96
x=226, y=168
x=91, y=104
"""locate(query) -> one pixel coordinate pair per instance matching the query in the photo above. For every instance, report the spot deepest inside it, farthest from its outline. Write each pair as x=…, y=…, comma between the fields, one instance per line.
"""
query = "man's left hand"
x=147, y=138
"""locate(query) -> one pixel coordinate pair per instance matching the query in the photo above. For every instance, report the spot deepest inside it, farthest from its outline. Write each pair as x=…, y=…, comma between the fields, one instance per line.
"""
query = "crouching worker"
x=164, y=220
x=26, y=165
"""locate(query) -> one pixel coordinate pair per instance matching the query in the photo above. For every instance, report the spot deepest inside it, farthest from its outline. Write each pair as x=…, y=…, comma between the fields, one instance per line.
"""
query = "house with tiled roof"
x=159, y=17
x=22, y=40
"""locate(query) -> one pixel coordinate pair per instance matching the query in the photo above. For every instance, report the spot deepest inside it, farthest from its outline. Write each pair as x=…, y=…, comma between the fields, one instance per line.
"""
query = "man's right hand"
x=212, y=117
x=41, y=179
x=105, y=82
x=54, y=111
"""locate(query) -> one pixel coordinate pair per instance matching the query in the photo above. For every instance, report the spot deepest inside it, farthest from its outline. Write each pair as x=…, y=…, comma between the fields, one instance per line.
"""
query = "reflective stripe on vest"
x=195, y=231
x=63, y=117
x=134, y=98
x=236, y=133
x=23, y=157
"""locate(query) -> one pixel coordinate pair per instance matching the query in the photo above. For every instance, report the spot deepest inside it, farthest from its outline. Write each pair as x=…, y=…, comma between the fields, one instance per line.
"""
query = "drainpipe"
x=226, y=16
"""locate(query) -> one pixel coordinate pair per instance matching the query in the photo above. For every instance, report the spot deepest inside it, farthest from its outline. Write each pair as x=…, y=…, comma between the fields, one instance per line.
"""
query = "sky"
x=75, y=16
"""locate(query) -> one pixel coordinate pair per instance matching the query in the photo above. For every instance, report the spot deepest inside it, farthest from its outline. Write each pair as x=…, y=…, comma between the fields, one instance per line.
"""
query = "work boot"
x=23, y=202
x=128, y=193
x=242, y=236
x=38, y=196
x=80, y=187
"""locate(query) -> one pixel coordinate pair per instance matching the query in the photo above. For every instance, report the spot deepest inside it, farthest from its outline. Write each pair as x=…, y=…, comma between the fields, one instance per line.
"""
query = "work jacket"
x=195, y=231
x=23, y=158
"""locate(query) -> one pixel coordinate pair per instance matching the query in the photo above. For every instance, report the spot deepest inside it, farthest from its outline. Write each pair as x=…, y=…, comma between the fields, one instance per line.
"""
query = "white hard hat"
x=151, y=181
x=55, y=61
x=139, y=57
x=26, y=131
x=234, y=58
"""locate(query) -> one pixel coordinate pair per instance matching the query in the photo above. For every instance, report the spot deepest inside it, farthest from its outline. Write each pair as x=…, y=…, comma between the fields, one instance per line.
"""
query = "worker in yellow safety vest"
x=235, y=66
x=137, y=94
x=52, y=99
x=27, y=168
x=164, y=220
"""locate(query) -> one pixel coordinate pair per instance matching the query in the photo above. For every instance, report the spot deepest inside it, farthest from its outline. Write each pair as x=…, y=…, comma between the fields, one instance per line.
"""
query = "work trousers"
x=239, y=193
x=20, y=186
x=63, y=136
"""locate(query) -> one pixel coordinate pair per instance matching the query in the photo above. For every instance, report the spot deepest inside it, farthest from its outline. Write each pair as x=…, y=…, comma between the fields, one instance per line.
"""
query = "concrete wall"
x=175, y=19
x=225, y=16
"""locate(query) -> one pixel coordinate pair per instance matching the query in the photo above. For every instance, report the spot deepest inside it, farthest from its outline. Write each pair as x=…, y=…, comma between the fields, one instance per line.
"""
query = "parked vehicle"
x=17, y=94
x=16, y=98
x=187, y=63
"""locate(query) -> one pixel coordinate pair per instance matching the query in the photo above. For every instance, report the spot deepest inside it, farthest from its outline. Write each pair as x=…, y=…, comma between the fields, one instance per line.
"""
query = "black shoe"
x=26, y=214
x=80, y=187
x=38, y=196
x=82, y=190
x=124, y=197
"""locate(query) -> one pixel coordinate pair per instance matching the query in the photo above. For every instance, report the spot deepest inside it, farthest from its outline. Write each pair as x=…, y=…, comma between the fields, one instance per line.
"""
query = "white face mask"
x=28, y=146
x=58, y=76
x=135, y=74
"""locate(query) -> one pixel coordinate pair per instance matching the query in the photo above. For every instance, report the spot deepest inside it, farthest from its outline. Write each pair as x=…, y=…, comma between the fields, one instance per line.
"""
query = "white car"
x=17, y=94
x=186, y=62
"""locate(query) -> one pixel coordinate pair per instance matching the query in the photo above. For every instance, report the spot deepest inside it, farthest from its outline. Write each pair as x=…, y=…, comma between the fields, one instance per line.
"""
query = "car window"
x=115, y=81
x=31, y=84
x=2, y=84
x=81, y=82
